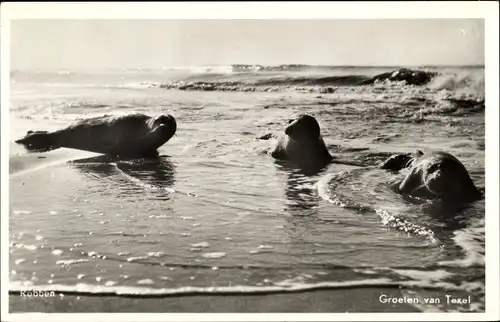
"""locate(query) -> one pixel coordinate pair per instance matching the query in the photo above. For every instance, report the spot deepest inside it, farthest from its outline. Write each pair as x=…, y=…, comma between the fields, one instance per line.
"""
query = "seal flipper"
x=39, y=141
x=279, y=154
x=411, y=182
x=278, y=151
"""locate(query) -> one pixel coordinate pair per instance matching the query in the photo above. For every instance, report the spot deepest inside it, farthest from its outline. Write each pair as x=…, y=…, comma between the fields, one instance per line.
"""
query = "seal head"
x=163, y=127
x=303, y=145
x=304, y=128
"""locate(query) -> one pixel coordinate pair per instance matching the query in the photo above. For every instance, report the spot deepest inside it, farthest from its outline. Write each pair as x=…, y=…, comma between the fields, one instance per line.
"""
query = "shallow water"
x=216, y=214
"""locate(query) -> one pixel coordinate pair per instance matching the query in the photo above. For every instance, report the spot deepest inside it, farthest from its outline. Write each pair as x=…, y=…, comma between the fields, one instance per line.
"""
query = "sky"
x=103, y=44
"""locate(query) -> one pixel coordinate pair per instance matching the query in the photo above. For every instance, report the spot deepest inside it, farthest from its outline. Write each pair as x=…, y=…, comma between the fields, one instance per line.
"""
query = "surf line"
x=138, y=292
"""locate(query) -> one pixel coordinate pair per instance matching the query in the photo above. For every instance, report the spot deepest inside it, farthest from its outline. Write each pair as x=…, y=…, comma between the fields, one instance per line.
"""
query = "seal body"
x=436, y=175
x=134, y=135
x=303, y=145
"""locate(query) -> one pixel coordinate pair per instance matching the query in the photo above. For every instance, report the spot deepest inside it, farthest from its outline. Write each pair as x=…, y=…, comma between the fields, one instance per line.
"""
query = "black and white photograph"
x=249, y=165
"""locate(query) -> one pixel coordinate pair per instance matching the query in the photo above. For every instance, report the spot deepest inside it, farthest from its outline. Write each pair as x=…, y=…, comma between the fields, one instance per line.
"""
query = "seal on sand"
x=436, y=175
x=303, y=145
x=134, y=135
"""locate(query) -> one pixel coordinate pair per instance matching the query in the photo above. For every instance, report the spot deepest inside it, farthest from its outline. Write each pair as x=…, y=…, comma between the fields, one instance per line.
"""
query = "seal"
x=303, y=145
x=436, y=175
x=133, y=135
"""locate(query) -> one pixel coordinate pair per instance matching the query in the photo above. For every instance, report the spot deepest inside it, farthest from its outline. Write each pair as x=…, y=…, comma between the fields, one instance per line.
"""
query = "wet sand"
x=324, y=301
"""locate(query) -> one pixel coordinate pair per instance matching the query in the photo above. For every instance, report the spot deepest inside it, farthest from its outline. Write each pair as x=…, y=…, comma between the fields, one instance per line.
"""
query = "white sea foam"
x=214, y=255
x=68, y=262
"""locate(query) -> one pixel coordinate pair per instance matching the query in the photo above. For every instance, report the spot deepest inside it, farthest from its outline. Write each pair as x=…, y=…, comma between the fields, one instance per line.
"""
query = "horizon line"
x=254, y=65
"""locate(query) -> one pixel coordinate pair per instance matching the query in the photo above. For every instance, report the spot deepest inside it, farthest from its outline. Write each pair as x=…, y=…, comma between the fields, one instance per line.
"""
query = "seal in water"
x=134, y=135
x=303, y=145
x=436, y=175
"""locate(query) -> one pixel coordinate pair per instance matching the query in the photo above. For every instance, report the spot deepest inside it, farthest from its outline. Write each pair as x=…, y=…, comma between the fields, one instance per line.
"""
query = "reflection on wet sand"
x=301, y=196
x=156, y=173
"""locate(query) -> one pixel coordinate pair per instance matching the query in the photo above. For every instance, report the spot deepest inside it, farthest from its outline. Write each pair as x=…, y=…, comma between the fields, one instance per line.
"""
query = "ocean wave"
x=405, y=75
x=261, y=78
x=266, y=84
x=472, y=80
x=248, y=81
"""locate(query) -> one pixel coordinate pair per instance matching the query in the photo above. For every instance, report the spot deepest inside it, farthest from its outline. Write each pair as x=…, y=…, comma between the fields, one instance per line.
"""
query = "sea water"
x=215, y=213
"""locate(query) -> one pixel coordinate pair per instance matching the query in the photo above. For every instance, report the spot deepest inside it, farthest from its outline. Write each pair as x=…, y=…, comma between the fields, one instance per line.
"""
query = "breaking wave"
x=260, y=78
x=253, y=78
